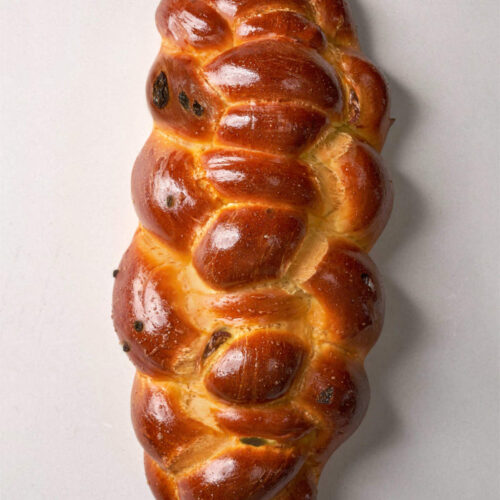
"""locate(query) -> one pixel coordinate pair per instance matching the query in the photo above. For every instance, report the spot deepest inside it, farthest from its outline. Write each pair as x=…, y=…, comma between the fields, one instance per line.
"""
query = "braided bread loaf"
x=246, y=300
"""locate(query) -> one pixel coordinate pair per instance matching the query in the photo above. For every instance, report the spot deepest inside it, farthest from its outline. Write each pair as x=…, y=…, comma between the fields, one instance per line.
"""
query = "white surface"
x=73, y=118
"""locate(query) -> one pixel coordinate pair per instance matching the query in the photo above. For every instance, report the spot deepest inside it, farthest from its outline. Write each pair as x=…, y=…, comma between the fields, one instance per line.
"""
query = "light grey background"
x=73, y=118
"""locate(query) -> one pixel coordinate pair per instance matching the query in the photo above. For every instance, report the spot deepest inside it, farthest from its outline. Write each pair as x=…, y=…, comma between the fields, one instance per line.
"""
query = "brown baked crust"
x=247, y=300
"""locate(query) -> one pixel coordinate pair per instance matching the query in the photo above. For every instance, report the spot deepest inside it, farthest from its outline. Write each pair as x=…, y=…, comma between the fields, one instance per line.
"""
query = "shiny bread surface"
x=247, y=300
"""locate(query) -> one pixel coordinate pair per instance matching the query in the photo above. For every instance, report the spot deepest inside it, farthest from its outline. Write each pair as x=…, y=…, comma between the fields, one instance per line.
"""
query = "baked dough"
x=247, y=300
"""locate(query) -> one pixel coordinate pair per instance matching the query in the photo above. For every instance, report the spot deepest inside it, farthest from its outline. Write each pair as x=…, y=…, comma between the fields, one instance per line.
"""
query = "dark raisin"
x=125, y=347
x=184, y=100
x=115, y=273
x=218, y=338
x=161, y=94
x=170, y=201
x=138, y=326
x=253, y=441
x=198, y=109
x=326, y=396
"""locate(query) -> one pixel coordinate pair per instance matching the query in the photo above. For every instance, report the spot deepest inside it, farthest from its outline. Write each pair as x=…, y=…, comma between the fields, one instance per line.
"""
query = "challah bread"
x=247, y=301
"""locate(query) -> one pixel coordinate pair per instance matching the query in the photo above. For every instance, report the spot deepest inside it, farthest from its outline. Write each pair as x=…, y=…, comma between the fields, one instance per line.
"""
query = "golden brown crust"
x=335, y=388
x=303, y=487
x=179, y=98
x=269, y=423
x=239, y=474
x=362, y=186
x=335, y=18
x=282, y=128
x=192, y=23
x=257, y=368
x=241, y=175
x=162, y=485
x=262, y=307
x=238, y=8
x=163, y=428
x=283, y=23
x=298, y=73
x=347, y=285
x=248, y=245
x=147, y=313
x=368, y=98
x=168, y=198
x=247, y=300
